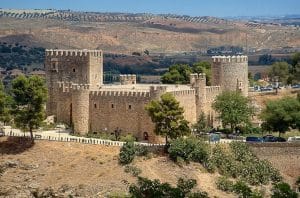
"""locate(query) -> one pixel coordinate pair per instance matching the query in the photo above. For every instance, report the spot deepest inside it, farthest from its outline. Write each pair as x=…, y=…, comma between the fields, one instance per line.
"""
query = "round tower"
x=80, y=108
x=231, y=73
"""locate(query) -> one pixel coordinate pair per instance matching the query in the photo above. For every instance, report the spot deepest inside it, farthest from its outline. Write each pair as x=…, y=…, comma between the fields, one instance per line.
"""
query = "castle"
x=78, y=97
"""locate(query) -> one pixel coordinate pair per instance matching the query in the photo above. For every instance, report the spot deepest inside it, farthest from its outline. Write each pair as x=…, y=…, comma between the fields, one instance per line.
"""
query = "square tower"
x=76, y=66
x=71, y=67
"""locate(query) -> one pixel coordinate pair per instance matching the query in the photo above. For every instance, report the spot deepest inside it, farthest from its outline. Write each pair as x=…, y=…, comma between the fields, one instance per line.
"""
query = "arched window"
x=146, y=136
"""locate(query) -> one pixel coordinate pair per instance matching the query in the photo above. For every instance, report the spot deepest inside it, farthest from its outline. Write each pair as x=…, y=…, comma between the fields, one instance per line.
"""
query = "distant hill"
x=127, y=33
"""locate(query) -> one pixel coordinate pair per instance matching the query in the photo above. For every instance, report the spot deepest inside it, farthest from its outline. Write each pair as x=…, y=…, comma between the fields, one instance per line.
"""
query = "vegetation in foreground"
x=242, y=172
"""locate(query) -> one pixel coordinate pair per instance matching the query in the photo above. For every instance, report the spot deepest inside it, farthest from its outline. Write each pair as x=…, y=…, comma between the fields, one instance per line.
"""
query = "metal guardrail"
x=79, y=140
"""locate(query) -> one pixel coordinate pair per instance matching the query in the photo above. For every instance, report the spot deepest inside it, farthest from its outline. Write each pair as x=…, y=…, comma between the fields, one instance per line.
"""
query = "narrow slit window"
x=112, y=106
x=129, y=106
x=74, y=70
x=95, y=105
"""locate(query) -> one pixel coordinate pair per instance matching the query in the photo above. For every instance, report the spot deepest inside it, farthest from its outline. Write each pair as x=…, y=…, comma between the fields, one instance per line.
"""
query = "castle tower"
x=231, y=73
x=198, y=82
x=80, y=108
x=157, y=91
x=71, y=66
x=128, y=79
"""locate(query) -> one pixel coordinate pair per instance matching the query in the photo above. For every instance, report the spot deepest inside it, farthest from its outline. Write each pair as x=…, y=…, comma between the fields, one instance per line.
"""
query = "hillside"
x=93, y=171
x=127, y=33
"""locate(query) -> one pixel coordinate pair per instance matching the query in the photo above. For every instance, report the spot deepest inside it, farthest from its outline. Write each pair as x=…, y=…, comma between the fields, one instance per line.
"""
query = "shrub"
x=257, y=194
x=153, y=188
x=242, y=189
x=127, y=153
x=189, y=149
x=141, y=150
x=283, y=190
x=224, y=184
x=128, y=138
x=133, y=170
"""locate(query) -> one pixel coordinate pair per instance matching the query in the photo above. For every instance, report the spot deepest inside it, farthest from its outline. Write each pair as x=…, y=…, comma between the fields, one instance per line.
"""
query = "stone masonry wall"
x=109, y=111
x=80, y=109
x=231, y=73
x=187, y=100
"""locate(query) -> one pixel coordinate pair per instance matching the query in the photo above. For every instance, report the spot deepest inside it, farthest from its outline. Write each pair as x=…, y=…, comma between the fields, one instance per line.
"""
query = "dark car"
x=271, y=138
x=280, y=139
x=254, y=139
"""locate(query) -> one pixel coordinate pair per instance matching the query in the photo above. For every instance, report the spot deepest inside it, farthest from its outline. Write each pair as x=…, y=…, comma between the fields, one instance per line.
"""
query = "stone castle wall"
x=110, y=110
x=231, y=73
x=78, y=98
x=187, y=100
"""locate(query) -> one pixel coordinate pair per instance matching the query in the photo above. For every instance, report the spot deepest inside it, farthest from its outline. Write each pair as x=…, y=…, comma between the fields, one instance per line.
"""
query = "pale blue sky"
x=218, y=8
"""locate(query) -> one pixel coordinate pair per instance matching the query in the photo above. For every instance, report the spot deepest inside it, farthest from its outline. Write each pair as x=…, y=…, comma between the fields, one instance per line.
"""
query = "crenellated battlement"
x=198, y=76
x=183, y=92
x=121, y=93
x=210, y=89
x=230, y=59
x=85, y=52
x=126, y=79
x=80, y=87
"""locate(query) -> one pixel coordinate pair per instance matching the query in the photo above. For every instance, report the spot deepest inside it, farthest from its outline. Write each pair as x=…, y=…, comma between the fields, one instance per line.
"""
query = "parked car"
x=296, y=86
x=254, y=139
x=271, y=138
x=294, y=139
x=1, y=133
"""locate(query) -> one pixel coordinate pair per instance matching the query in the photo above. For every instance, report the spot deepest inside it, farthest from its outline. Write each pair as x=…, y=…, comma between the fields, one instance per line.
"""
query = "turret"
x=157, y=91
x=231, y=73
x=80, y=108
x=198, y=82
x=127, y=79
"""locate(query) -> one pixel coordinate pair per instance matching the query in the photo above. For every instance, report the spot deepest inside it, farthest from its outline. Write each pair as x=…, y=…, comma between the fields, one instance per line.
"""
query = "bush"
x=133, y=170
x=127, y=153
x=128, y=138
x=224, y=184
x=283, y=190
x=153, y=188
x=242, y=189
x=189, y=149
x=141, y=150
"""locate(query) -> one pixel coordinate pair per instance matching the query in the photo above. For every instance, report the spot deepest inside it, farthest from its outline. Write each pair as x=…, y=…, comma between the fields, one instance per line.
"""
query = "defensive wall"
x=231, y=73
x=78, y=97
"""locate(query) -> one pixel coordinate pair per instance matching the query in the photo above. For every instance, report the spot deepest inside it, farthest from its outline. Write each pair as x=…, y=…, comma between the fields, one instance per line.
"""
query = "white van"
x=294, y=139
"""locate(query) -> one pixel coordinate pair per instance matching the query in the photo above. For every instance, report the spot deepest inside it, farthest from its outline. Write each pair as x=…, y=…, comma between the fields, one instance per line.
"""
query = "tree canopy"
x=281, y=71
x=295, y=71
x=180, y=73
x=29, y=96
x=5, y=103
x=156, y=189
x=168, y=117
x=233, y=108
x=280, y=115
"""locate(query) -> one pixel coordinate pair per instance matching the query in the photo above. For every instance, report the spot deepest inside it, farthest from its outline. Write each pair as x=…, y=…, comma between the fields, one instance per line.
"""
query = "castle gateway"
x=78, y=97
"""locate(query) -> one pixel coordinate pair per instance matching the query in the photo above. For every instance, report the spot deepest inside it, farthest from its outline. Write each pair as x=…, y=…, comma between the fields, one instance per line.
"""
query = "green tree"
x=203, y=67
x=177, y=74
x=280, y=70
x=5, y=104
x=29, y=95
x=283, y=190
x=281, y=114
x=168, y=117
x=155, y=189
x=201, y=124
x=180, y=73
x=295, y=71
x=233, y=109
